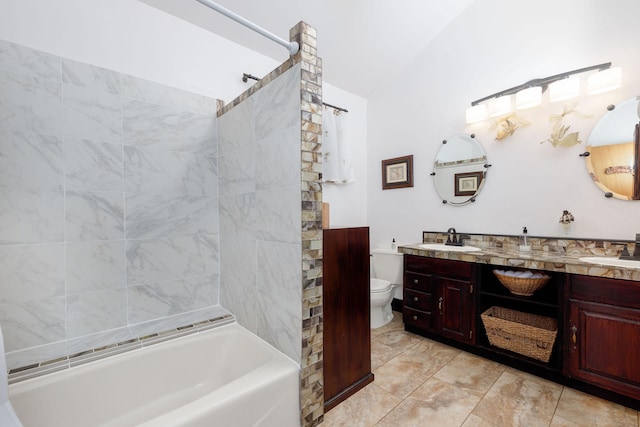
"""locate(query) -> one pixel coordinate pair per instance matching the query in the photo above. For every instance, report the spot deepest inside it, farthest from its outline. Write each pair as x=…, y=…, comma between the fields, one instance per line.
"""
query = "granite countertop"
x=537, y=259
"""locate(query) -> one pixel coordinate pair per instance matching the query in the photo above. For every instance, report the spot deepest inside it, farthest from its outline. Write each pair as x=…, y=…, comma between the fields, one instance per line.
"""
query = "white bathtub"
x=222, y=377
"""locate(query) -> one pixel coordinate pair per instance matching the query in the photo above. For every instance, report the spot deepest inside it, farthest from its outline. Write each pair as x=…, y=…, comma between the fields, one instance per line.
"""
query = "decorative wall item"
x=467, y=184
x=566, y=219
x=559, y=134
x=507, y=125
x=613, y=151
x=397, y=172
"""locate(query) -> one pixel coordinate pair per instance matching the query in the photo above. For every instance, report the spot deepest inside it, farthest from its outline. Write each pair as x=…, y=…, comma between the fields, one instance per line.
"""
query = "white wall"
x=492, y=46
x=348, y=202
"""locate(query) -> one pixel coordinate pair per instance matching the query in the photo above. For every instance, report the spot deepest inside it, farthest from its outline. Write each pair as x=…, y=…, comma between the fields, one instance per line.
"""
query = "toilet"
x=386, y=266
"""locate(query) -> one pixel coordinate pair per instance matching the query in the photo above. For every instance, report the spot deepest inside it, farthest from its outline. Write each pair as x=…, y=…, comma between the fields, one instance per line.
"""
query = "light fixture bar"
x=544, y=82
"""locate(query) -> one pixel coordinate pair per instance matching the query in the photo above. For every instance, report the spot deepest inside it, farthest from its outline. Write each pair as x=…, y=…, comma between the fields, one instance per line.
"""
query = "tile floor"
x=420, y=382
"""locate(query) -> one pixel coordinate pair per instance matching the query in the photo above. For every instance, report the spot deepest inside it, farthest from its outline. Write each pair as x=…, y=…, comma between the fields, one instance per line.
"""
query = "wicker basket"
x=523, y=286
x=523, y=333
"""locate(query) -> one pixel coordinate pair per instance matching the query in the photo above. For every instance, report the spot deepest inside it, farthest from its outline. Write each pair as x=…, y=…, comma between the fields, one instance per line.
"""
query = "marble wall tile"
x=32, y=323
x=181, y=319
x=235, y=128
x=153, y=171
x=96, y=311
x=30, y=104
x=279, y=215
x=159, y=260
x=238, y=279
x=279, y=295
x=94, y=216
x=31, y=216
x=169, y=128
x=90, y=77
x=147, y=302
x=64, y=171
x=92, y=166
x=159, y=94
x=31, y=272
x=93, y=115
x=93, y=266
x=24, y=60
x=32, y=355
x=154, y=216
x=238, y=216
x=277, y=105
x=278, y=153
x=31, y=161
x=75, y=345
x=238, y=171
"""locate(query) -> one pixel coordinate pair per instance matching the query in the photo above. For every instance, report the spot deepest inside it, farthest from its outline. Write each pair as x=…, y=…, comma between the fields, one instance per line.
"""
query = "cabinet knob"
x=415, y=298
x=415, y=281
x=415, y=317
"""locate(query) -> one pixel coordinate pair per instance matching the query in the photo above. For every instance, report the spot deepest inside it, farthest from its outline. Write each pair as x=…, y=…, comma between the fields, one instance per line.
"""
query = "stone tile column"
x=311, y=375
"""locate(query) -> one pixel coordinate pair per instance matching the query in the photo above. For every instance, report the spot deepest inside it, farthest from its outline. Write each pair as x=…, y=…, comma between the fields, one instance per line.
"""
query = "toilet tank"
x=387, y=265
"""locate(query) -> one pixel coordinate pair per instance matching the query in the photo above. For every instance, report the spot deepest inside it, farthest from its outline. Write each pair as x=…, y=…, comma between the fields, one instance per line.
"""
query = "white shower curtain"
x=337, y=163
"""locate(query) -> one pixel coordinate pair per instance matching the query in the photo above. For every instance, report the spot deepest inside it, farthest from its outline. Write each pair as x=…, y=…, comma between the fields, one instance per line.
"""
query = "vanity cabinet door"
x=455, y=308
x=603, y=346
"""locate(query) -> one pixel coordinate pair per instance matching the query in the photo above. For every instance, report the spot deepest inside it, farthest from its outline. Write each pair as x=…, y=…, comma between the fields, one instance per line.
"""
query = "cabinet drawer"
x=418, y=300
x=418, y=282
x=622, y=293
x=435, y=266
x=418, y=318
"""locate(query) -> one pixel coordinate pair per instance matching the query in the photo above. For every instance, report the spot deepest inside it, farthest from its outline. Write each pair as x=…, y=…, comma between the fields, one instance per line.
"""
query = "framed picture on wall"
x=467, y=184
x=397, y=172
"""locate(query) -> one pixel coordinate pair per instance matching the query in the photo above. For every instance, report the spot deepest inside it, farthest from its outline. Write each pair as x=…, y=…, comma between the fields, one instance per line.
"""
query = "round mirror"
x=460, y=170
x=613, y=151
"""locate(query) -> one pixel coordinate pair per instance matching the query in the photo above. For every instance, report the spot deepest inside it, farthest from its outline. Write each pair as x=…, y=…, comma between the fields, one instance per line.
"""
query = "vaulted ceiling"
x=361, y=42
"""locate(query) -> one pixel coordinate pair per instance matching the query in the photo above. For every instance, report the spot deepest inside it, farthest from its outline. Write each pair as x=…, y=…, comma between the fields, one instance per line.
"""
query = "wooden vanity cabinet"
x=603, y=336
x=438, y=297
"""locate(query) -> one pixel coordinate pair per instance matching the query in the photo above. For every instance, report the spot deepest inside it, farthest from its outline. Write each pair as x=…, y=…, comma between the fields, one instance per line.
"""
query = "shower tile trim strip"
x=65, y=362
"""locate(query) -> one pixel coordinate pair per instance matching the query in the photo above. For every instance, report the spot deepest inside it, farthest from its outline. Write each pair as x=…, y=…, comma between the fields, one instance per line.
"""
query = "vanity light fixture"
x=499, y=106
x=604, y=81
x=564, y=89
x=529, y=97
x=529, y=94
x=477, y=113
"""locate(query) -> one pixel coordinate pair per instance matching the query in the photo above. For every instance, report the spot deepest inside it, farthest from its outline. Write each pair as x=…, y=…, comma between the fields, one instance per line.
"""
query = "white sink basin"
x=611, y=261
x=446, y=248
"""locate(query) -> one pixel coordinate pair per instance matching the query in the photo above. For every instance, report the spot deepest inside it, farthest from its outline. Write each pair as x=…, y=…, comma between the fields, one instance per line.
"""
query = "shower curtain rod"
x=292, y=47
x=246, y=77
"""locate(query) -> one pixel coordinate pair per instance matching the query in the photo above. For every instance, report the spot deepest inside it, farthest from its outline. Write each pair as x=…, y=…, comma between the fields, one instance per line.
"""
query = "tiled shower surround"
x=259, y=182
x=108, y=206
x=122, y=217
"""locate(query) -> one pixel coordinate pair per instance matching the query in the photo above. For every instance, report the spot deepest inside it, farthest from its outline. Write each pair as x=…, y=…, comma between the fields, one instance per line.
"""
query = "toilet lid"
x=379, y=285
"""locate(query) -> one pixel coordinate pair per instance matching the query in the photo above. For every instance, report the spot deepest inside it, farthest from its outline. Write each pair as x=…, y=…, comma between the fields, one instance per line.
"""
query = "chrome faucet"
x=452, y=239
x=636, y=250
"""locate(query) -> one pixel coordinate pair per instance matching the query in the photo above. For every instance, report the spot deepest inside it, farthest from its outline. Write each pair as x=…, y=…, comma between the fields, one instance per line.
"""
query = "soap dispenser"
x=524, y=244
x=393, y=243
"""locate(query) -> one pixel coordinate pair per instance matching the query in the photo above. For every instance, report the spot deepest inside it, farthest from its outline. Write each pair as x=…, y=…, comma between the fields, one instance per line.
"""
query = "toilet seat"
x=379, y=285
